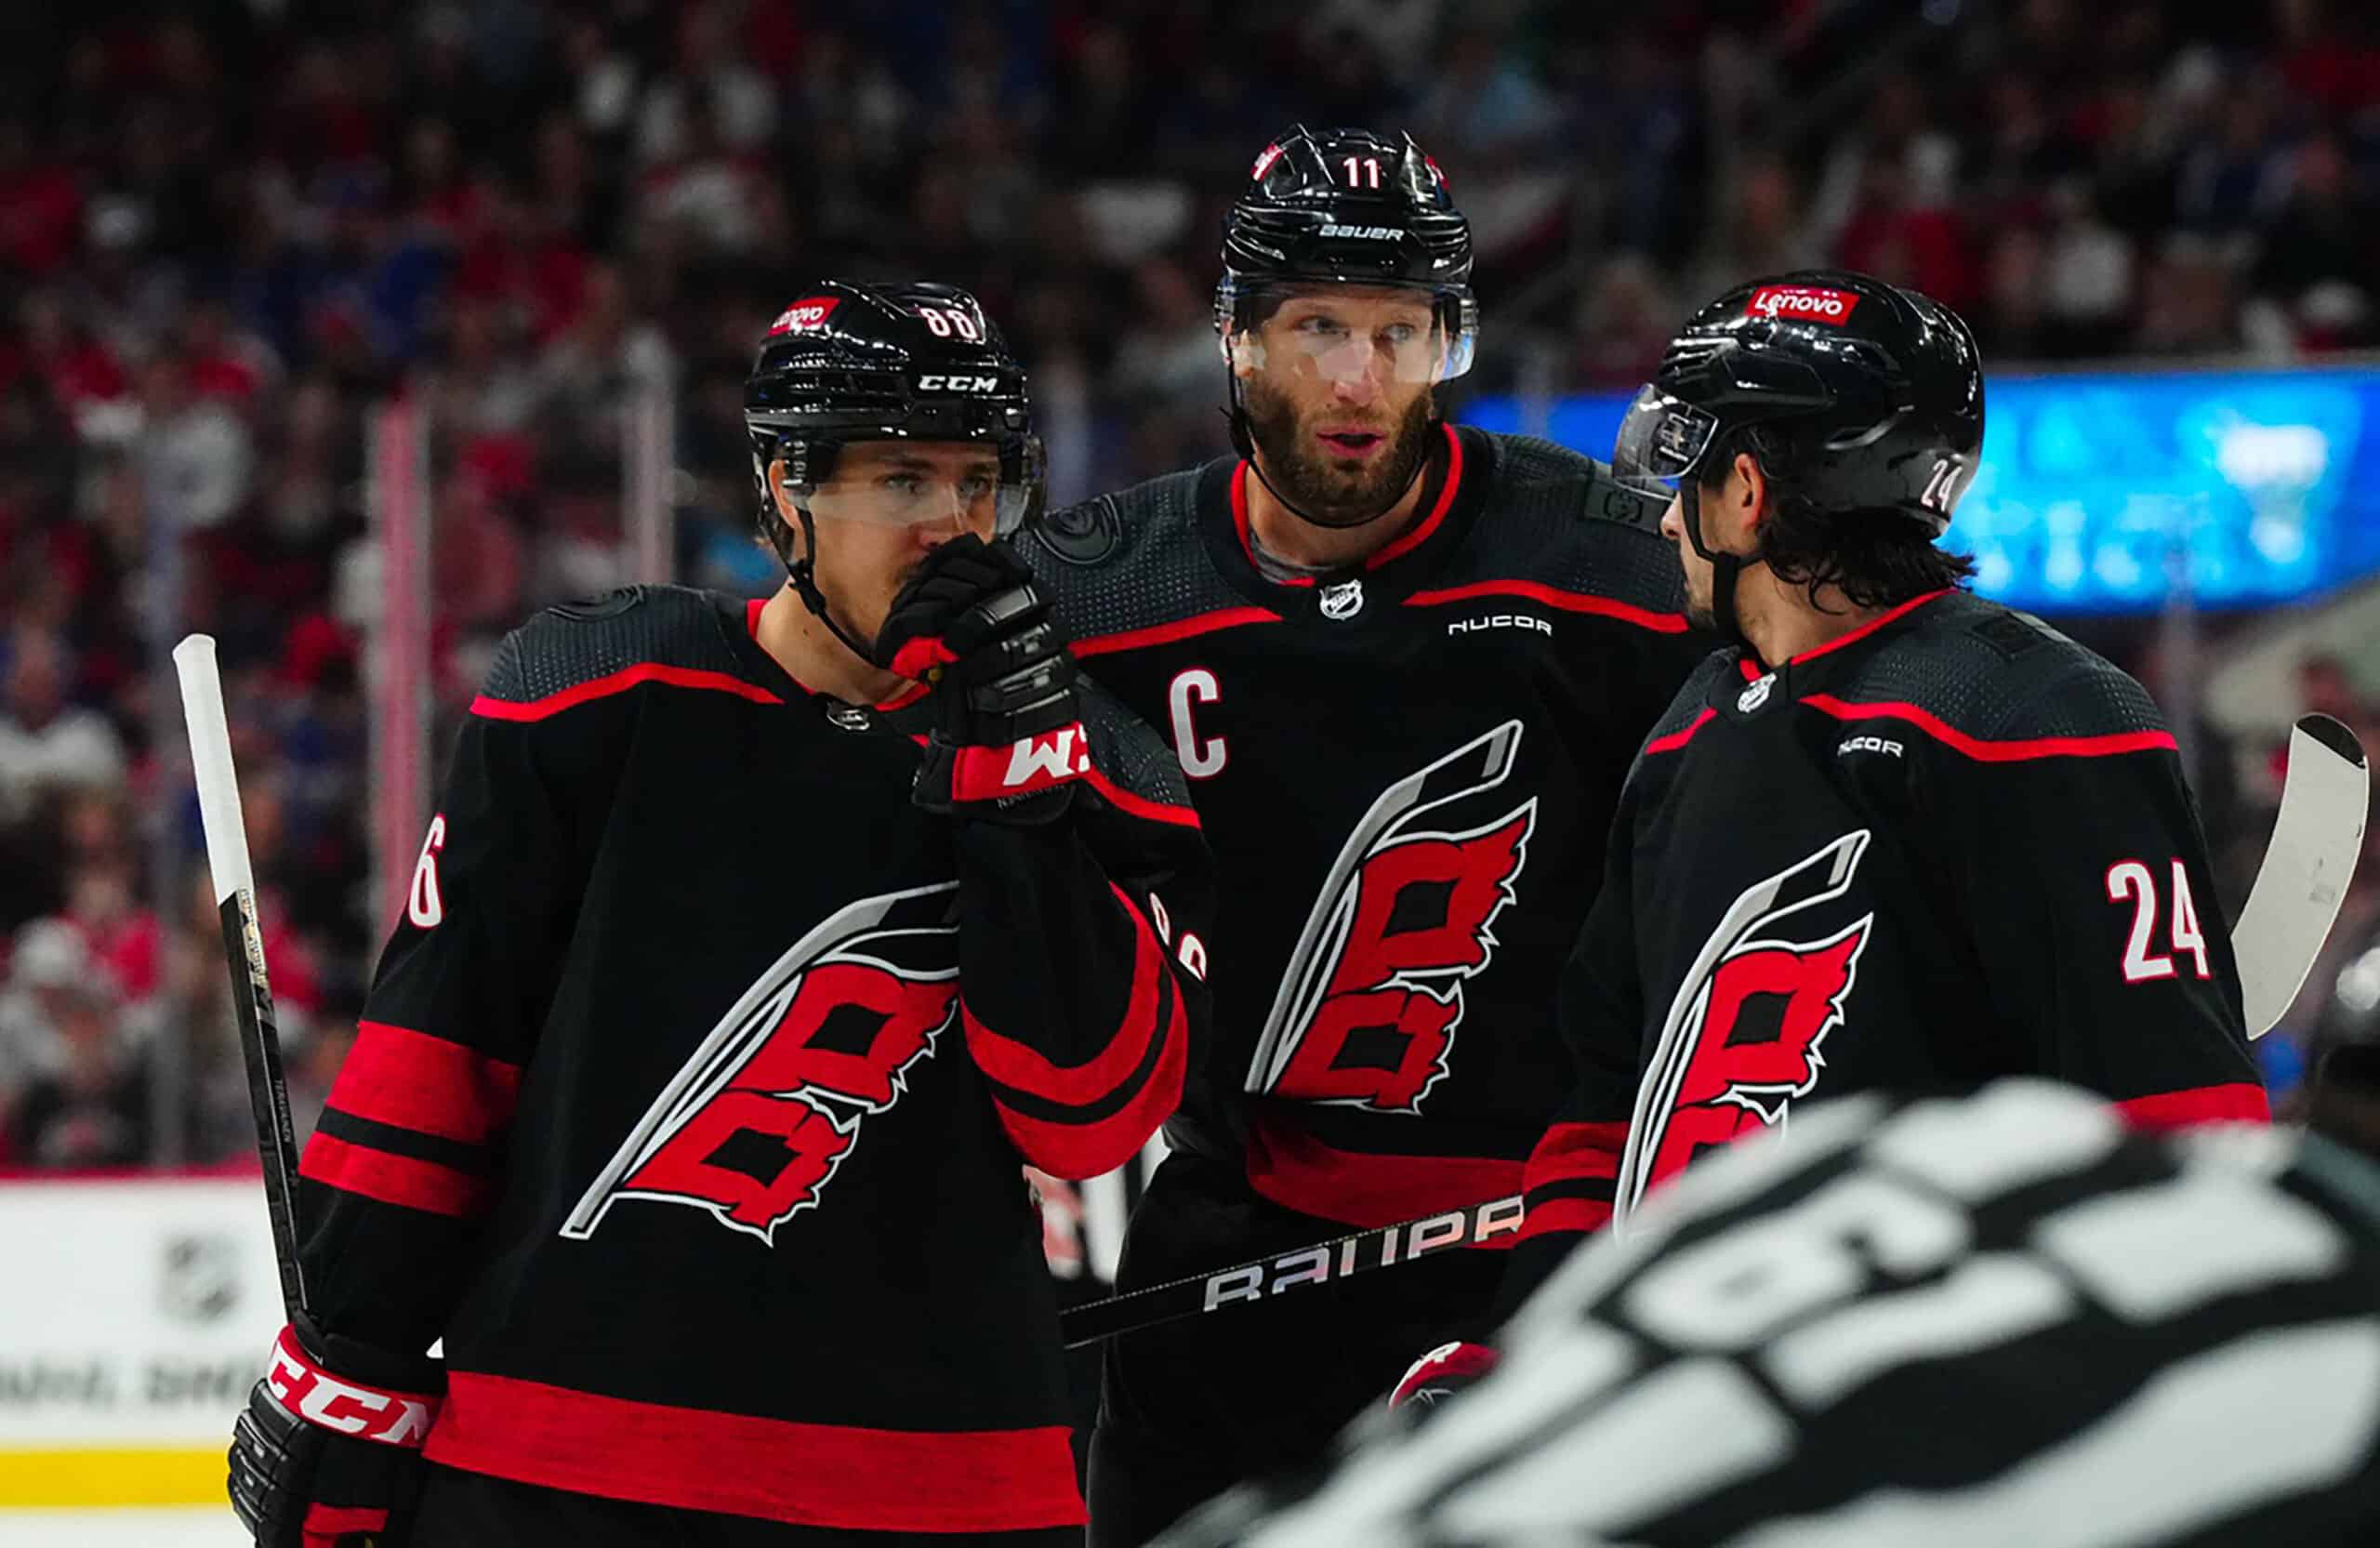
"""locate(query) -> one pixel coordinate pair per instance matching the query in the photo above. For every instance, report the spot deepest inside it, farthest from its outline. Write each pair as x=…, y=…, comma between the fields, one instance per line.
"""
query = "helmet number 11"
x=1362, y=171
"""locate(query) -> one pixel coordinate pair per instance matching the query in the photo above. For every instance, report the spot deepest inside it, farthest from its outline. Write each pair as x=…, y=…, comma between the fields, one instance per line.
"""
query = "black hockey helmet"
x=1348, y=207
x=846, y=362
x=1871, y=396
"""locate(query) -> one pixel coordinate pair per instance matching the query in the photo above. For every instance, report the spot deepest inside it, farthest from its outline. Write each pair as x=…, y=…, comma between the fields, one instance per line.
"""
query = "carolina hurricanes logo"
x=1366, y=1011
x=1745, y=1034
x=753, y=1126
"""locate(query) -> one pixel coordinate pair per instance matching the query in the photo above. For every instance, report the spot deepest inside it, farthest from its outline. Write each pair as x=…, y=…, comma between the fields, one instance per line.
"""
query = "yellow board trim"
x=133, y=1476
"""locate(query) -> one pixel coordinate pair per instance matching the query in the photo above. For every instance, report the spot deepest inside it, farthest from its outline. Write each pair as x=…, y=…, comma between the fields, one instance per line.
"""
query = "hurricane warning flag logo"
x=1746, y=1032
x=753, y=1126
x=1368, y=1006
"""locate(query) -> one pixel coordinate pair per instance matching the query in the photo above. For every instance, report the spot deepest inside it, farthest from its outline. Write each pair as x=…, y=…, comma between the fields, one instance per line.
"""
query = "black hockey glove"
x=332, y=1460
x=1011, y=744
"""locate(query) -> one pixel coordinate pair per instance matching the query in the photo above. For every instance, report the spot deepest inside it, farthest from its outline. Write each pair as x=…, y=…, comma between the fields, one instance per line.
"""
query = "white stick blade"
x=210, y=760
x=2315, y=843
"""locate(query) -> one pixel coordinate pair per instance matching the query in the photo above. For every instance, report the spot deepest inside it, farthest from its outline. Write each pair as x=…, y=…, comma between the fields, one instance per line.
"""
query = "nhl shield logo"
x=1757, y=695
x=1342, y=600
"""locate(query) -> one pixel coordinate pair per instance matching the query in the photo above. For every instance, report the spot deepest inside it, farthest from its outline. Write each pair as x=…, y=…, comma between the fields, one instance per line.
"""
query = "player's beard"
x=1700, y=608
x=1320, y=488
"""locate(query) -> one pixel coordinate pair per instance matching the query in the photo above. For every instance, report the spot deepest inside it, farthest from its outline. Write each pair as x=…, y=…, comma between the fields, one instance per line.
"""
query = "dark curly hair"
x=1874, y=558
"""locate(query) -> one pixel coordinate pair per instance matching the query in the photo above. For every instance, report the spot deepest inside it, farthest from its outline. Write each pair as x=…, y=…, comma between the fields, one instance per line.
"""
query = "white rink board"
x=135, y=1317
x=203, y=1526
x=139, y=1311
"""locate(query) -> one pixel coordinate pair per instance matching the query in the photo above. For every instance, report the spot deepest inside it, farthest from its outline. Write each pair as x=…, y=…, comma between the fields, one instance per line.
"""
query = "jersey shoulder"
x=1692, y=701
x=1128, y=559
x=1558, y=518
x=1993, y=674
x=578, y=646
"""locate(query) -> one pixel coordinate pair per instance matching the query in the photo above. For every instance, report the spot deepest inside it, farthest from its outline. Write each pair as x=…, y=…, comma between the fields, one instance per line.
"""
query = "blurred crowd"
x=230, y=228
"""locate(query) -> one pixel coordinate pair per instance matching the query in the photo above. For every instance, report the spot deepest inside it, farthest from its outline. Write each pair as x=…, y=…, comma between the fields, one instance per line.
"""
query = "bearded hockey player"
x=755, y=946
x=1897, y=836
x=1405, y=667
x=2007, y=1317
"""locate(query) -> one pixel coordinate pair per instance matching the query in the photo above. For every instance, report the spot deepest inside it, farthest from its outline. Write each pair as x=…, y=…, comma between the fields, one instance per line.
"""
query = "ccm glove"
x=328, y=1453
x=1011, y=742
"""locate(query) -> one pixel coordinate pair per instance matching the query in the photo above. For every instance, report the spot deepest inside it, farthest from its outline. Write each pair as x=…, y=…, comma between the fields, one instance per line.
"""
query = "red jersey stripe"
x=1570, y=1151
x=1367, y=1190
x=1180, y=628
x=1078, y=1150
x=391, y=1179
x=620, y=682
x=2236, y=1102
x=1677, y=739
x=1414, y=537
x=1558, y=1217
x=409, y=1080
x=740, y=1464
x=1879, y=621
x=1014, y=1063
x=1983, y=752
x=1140, y=805
x=1569, y=601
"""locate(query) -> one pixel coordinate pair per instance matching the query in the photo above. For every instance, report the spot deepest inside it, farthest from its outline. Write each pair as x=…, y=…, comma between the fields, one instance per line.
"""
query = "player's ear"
x=1752, y=487
x=1245, y=354
x=783, y=497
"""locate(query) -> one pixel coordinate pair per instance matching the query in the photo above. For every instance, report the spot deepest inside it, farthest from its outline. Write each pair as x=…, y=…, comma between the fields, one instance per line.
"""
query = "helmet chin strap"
x=802, y=571
x=1726, y=568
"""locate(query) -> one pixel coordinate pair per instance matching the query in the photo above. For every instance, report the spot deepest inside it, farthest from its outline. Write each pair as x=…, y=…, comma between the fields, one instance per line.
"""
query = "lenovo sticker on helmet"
x=1802, y=303
x=805, y=314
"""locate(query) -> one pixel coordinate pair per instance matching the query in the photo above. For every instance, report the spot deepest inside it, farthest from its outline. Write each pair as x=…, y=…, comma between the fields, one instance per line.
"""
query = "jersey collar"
x=1743, y=696
x=1451, y=493
x=744, y=634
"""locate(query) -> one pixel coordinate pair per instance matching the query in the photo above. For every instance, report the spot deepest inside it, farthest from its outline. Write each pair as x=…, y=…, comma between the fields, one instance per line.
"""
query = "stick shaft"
x=236, y=902
x=1260, y=1280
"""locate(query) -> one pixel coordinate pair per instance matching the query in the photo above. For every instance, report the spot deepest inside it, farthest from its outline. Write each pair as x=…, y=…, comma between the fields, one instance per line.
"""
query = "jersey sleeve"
x=1083, y=956
x=405, y=1162
x=1569, y=1182
x=2077, y=857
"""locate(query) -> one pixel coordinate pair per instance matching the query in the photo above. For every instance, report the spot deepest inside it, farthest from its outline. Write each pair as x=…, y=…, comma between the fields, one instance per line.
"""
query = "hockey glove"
x=1443, y=1371
x=1011, y=742
x=332, y=1460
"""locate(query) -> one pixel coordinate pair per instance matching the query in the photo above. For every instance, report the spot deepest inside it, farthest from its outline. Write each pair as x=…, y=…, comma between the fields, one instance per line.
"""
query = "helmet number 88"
x=942, y=322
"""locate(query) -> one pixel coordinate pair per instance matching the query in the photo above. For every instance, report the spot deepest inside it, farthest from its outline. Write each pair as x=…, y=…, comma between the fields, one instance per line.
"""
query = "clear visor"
x=1661, y=442
x=960, y=486
x=1344, y=339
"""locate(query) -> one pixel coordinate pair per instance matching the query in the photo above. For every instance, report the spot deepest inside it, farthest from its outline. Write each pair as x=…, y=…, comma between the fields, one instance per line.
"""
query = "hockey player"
x=1897, y=836
x=740, y=970
x=2007, y=1317
x=1405, y=667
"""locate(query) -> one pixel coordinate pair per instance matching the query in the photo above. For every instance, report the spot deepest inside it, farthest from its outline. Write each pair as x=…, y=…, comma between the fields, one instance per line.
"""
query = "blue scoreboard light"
x=2094, y=489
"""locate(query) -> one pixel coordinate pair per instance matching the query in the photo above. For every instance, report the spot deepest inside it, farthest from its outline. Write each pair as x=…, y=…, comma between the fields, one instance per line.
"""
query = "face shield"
x=1662, y=441
x=989, y=487
x=1343, y=334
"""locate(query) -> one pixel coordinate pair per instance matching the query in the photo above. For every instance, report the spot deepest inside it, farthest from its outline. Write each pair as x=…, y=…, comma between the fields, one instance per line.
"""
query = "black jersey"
x=1949, y=845
x=1407, y=771
x=2011, y=1318
x=692, y=1095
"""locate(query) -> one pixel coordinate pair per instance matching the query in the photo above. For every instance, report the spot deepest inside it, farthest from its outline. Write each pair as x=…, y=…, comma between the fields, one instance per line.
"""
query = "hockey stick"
x=2316, y=841
x=1325, y=1262
x=235, y=895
